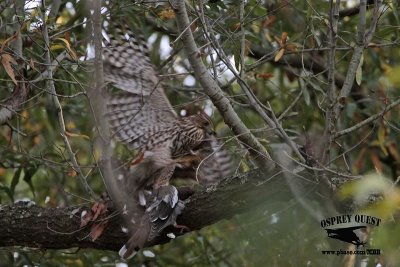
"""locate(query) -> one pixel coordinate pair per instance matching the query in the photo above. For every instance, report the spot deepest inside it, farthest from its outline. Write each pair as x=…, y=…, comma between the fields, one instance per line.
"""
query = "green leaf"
x=8, y=191
x=15, y=180
x=306, y=95
x=351, y=109
x=315, y=86
x=29, y=172
x=259, y=10
x=359, y=70
x=237, y=58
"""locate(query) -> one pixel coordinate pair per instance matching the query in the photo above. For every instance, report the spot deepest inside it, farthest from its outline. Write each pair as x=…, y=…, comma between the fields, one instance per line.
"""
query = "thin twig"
x=52, y=89
x=363, y=39
x=254, y=101
x=330, y=121
x=367, y=121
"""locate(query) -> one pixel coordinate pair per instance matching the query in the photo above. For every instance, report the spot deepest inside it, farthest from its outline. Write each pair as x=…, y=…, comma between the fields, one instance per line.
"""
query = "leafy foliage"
x=285, y=41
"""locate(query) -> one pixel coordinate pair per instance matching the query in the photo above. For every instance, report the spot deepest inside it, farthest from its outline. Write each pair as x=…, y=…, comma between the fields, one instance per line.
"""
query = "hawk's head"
x=203, y=122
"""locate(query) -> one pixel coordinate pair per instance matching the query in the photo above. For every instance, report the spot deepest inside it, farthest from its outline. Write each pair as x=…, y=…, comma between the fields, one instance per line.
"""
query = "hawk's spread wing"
x=141, y=105
x=216, y=165
x=139, y=108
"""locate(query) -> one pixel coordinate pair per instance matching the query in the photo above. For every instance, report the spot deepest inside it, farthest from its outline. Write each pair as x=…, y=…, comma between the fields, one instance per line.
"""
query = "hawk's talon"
x=182, y=228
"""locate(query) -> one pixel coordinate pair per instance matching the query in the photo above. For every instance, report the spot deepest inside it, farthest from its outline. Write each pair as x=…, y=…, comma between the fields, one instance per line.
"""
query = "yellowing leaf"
x=392, y=74
x=36, y=140
x=61, y=20
x=244, y=166
x=6, y=60
x=236, y=26
x=96, y=154
x=279, y=55
x=291, y=47
x=56, y=47
x=77, y=135
x=6, y=41
x=70, y=125
x=167, y=14
x=68, y=47
x=381, y=139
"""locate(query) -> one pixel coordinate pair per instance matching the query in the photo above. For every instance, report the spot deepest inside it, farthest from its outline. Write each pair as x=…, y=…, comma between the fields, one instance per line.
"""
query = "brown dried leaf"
x=97, y=229
x=377, y=162
x=6, y=60
x=265, y=76
x=283, y=38
x=72, y=173
x=86, y=218
x=269, y=22
x=360, y=161
x=393, y=151
x=98, y=209
x=32, y=64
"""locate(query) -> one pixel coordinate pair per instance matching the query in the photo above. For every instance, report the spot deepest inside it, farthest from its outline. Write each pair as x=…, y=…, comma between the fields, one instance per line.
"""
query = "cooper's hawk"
x=141, y=116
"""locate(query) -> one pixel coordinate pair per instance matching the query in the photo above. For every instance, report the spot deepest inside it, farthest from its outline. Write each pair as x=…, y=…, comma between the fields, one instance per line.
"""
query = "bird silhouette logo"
x=347, y=234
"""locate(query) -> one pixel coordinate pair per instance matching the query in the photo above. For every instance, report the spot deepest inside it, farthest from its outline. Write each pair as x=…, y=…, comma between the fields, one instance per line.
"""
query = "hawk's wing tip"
x=123, y=253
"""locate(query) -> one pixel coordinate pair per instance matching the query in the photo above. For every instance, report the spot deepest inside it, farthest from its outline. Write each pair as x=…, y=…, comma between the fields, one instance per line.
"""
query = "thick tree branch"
x=58, y=228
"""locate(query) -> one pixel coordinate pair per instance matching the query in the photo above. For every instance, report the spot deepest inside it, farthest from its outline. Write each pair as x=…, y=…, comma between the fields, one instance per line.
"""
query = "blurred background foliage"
x=34, y=164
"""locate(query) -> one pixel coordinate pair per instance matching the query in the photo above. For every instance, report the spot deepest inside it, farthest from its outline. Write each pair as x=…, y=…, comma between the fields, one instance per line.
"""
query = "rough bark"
x=59, y=228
